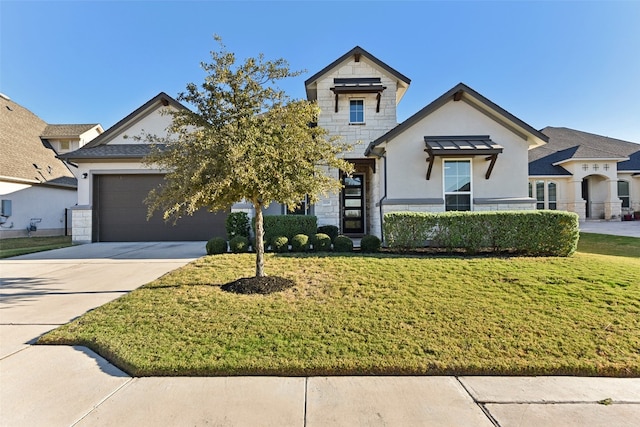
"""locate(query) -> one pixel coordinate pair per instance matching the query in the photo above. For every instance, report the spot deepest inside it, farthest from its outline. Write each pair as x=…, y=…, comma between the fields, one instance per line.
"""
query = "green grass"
x=27, y=245
x=383, y=314
x=609, y=245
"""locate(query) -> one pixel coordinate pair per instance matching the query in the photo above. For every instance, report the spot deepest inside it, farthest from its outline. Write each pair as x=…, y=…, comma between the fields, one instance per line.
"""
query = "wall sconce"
x=84, y=175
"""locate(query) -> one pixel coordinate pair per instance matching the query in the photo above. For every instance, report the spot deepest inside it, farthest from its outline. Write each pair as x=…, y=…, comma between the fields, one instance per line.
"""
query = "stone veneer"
x=81, y=222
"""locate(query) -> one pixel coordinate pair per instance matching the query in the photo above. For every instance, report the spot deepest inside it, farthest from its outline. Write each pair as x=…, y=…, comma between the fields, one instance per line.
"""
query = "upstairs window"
x=356, y=111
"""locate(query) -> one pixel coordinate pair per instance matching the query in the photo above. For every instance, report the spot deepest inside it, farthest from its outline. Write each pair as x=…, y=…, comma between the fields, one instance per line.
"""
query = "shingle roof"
x=452, y=93
x=24, y=156
x=66, y=130
x=110, y=152
x=566, y=144
x=355, y=51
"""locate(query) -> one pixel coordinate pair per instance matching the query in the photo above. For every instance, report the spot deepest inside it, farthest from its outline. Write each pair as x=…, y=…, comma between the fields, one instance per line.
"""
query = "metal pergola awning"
x=462, y=146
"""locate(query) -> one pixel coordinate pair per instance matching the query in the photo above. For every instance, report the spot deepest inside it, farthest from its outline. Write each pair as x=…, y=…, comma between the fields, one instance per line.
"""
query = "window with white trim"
x=546, y=194
x=623, y=193
x=457, y=185
x=356, y=111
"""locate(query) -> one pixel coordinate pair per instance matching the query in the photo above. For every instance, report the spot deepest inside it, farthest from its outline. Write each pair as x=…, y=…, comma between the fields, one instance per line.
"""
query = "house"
x=114, y=183
x=36, y=188
x=594, y=176
x=460, y=152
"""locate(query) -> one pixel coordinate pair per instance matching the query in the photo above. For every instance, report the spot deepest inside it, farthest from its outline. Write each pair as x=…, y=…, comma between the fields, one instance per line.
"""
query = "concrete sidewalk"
x=68, y=386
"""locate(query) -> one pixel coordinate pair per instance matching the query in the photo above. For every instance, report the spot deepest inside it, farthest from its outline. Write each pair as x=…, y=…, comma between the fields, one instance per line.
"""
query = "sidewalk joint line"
x=480, y=405
x=107, y=397
x=306, y=388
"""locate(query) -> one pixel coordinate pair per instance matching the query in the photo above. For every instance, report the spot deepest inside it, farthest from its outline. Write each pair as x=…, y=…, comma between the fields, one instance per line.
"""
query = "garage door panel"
x=121, y=214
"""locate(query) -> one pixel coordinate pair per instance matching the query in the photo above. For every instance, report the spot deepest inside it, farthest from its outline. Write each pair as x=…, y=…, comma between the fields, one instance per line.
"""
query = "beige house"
x=113, y=183
x=460, y=152
x=594, y=176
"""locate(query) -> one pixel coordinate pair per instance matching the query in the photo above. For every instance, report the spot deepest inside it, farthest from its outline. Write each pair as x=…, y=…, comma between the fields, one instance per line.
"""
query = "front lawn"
x=378, y=314
x=609, y=245
x=26, y=245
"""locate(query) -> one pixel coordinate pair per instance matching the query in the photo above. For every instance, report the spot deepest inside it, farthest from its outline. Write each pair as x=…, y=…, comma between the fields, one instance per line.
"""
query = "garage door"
x=120, y=214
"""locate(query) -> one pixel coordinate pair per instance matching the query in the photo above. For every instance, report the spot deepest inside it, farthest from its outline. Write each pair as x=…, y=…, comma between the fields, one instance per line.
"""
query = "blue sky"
x=573, y=64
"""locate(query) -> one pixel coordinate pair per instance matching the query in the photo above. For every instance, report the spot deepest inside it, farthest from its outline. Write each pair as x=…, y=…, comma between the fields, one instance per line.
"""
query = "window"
x=623, y=193
x=302, y=209
x=546, y=195
x=64, y=145
x=356, y=111
x=457, y=185
x=551, y=187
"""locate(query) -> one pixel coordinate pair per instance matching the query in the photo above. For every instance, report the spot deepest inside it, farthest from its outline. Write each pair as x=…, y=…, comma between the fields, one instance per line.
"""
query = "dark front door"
x=353, y=204
x=585, y=196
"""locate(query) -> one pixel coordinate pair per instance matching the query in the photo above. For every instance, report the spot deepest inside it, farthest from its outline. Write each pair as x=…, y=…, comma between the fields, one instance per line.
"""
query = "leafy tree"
x=244, y=139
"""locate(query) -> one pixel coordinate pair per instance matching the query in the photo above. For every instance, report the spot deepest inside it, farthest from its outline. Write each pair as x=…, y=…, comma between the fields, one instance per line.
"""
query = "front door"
x=353, y=204
x=585, y=196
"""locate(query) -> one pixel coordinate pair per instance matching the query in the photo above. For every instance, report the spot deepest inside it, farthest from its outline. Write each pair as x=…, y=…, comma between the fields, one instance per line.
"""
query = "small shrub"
x=288, y=226
x=370, y=244
x=300, y=243
x=321, y=242
x=280, y=244
x=330, y=230
x=237, y=224
x=216, y=245
x=342, y=244
x=239, y=244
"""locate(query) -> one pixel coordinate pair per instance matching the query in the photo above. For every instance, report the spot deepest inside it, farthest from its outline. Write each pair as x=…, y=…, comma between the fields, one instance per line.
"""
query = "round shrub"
x=370, y=244
x=239, y=244
x=321, y=242
x=342, y=244
x=280, y=244
x=300, y=243
x=330, y=230
x=216, y=245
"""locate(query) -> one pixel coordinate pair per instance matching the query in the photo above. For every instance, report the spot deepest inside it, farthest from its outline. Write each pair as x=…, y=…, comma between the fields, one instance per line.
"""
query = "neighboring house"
x=114, y=183
x=594, y=176
x=36, y=188
x=460, y=152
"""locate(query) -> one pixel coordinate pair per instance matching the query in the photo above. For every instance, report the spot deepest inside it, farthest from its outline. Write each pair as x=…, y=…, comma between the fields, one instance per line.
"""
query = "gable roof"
x=115, y=130
x=465, y=93
x=24, y=157
x=66, y=130
x=568, y=144
x=356, y=52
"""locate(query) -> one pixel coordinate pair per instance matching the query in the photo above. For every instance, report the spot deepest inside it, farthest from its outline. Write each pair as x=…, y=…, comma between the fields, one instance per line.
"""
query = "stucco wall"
x=154, y=123
x=407, y=166
x=46, y=204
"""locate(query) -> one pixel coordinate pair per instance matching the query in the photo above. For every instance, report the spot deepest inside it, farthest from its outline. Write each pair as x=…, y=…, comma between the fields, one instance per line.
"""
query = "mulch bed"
x=258, y=285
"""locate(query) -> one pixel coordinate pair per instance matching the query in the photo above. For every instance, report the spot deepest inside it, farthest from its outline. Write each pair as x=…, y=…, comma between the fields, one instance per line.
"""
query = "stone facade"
x=81, y=222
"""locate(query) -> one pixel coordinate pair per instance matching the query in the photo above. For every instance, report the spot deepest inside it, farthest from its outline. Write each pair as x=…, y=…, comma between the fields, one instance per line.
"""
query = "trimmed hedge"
x=288, y=226
x=280, y=244
x=541, y=232
x=300, y=243
x=343, y=244
x=239, y=244
x=321, y=242
x=370, y=244
x=216, y=246
x=237, y=224
x=330, y=230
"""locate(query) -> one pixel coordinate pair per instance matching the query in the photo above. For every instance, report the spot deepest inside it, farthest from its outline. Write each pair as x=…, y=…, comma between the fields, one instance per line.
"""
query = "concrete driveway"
x=73, y=386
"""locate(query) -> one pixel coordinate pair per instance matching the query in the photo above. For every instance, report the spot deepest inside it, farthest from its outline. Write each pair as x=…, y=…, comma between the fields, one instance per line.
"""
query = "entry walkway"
x=73, y=386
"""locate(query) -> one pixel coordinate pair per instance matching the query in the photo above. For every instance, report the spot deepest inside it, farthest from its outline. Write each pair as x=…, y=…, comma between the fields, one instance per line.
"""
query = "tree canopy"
x=243, y=140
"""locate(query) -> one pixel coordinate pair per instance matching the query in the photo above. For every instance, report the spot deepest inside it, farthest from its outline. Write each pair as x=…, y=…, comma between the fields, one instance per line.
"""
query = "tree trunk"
x=259, y=241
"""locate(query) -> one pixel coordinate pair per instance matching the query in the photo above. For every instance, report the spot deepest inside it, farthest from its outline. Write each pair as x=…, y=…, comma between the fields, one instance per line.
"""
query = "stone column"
x=613, y=205
x=576, y=203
